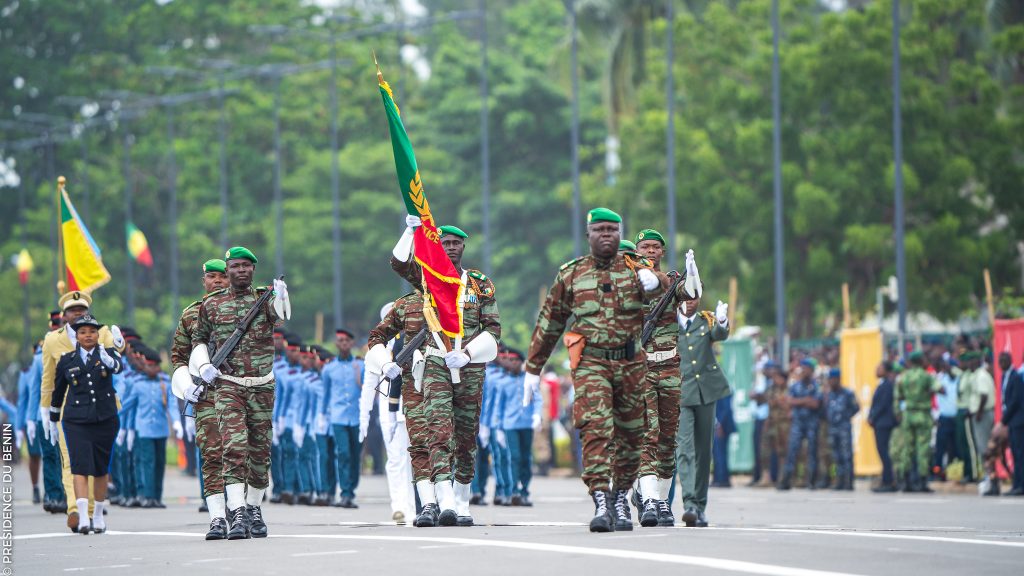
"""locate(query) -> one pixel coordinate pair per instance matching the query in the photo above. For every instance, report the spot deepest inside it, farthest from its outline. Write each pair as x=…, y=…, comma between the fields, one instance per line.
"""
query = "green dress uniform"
x=703, y=383
x=913, y=400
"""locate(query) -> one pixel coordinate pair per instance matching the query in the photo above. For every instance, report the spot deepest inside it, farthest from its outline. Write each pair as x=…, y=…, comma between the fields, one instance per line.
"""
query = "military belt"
x=654, y=357
x=248, y=381
x=626, y=352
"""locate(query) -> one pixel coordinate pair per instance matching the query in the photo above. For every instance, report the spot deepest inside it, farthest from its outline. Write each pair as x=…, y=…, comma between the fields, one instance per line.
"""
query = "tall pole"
x=278, y=210
x=670, y=137
x=339, y=314
x=780, y=281
x=172, y=213
x=58, y=274
x=26, y=318
x=577, y=209
x=897, y=144
x=129, y=264
x=223, y=136
x=84, y=176
x=485, y=140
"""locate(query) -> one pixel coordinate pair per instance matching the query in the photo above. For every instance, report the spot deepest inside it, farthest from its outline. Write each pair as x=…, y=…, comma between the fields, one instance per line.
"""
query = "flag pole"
x=61, y=266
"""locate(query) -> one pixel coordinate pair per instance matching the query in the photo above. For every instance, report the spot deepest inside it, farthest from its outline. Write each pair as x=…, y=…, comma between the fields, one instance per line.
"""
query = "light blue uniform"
x=152, y=404
x=284, y=413
x=500, y=455
x=342, y=389
x=517, y=421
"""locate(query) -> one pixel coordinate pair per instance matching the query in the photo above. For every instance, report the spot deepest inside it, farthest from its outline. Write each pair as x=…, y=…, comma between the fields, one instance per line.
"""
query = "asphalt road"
x=753, y=531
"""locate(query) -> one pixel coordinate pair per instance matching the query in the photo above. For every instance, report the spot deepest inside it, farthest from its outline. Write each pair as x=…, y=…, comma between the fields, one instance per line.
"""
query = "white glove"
x=456, y=359
x=118, y=337
x=500, y=437
x=484, y=435
x=208, y=373
x=647, y=279
x=535, y=422
x=691, y=263
x=193, y=392
x=279, y=425
x=179, y=433
x=190, y=429
x=53, y=432
x=130, y=440
x=722, y=313
x=392, y=428
x=364, y=427
x=280, y=289
x=692, y=284
x=30, y=431
x=321, y=424
x=44, y=417
x=391, y=370
x=106, y=358
x=531, y=384
x=413, y=221
x=282, y=304
x=19, y=436
x=120, y=437
x=275, y=435
x=298, y=435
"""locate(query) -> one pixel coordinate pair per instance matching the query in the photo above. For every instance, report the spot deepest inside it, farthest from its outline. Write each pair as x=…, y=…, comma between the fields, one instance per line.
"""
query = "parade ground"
x=753, y=531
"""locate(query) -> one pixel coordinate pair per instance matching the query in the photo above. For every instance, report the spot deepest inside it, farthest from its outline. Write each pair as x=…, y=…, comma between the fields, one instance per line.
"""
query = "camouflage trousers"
x=418, y=427
x=913, y=450
x=801, y=429
x=840, y=440
x=774, y=440
x=453, y=413
x=825, y=457
x=246, y=430
x=663, y=404
x=211, y=450
x=610, y=411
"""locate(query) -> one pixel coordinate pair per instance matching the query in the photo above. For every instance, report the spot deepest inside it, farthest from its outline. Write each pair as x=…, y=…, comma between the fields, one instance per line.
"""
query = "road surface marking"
x=330, y=553
x=880, y=535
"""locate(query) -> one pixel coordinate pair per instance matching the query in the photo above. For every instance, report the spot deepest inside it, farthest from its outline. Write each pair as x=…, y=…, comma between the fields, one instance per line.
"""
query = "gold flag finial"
x=380, y=75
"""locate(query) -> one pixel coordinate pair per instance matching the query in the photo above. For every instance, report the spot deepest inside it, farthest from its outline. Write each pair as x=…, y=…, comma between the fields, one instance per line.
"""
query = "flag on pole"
x=138, y=247
x=25, y=265
x=82, y=258
x=440, y=278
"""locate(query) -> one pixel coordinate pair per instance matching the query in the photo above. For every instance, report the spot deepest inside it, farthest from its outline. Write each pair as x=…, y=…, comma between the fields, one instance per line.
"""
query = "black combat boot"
x=690, y=517
x=649, y=514
x=665, y=514
x=604, y=520
x=257, y=527
x=623, y=519
x=218, y=529
x=428, y=517
x=786, y=483
x=238, y=530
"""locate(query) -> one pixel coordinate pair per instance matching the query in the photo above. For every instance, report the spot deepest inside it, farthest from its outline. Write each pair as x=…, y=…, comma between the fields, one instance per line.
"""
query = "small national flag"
x=25, y=265
x=138, y=247
x=82, y=258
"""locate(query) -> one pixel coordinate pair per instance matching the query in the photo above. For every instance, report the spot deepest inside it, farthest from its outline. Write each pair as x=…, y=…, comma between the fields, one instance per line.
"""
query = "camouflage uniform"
x=914, y=391
x=663, y=396
x=454, y=410
x=244, y=411
x=776, y=435
x=407, y=316
x=610, y=408
x=205, y=411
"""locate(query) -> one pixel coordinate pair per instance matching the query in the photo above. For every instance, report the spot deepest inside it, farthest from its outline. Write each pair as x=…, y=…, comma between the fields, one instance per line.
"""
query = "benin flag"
x=81, y=254
x=440, y=278
x=25, y=265
x=138, y=247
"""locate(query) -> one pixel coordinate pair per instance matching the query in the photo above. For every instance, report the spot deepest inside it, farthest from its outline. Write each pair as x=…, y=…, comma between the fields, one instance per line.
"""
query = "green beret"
x=240, y=252
x=650, y=234
x=602, y=215
x=454, y=231
x=969, y=355
x=627, y=245
x=916, y=356
x=215, y=265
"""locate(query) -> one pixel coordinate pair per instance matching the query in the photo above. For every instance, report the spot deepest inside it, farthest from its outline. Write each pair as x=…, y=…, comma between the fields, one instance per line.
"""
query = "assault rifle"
x=651, y=320
x=402, y=359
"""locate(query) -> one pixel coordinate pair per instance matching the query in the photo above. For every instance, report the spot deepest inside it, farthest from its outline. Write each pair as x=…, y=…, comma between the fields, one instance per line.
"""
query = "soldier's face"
x=307, y=361
x=344, y=343
x=214, y=281
x=74, y=313
x=87, y=337
x=292, y=354
x=515, y=365
x=652, y=250
x=151, y=368
x=453, y=247
x=240, y=272
x=603, y=238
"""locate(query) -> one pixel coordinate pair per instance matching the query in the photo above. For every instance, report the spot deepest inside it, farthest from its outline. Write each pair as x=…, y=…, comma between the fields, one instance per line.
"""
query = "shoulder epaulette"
x=292, y=371
x=191, y=306
x=215, y=293
x=477, y=274
x=633, y=259
x=262, y=289
x=570, y=263
x=709, y=317
x=481, y=282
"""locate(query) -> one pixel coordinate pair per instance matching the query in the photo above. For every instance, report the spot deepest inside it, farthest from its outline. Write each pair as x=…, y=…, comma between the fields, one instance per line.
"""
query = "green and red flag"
x=440, y=278
x=25, y=265
x=138, y=246
x=82, y=258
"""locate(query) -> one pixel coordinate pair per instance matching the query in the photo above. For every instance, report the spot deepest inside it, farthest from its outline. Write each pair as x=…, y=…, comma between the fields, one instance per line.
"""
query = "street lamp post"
x=670, y=136
x=780, y=282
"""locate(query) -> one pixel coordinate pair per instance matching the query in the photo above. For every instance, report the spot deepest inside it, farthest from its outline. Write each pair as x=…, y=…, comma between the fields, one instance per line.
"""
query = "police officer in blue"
x=518, y=423
x=805, y=401
x=89, y=419
x=312, y=399
x=328, y=481
x=27, y=420
x=280, y=366
x=840, y=406
x=343, y=382
x=286, y=394
x=482, y=469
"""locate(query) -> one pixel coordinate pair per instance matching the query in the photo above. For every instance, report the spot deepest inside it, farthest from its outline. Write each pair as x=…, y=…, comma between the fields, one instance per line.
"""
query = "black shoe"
x=665, y=514
x=690, y=517
x=884, y=489
x=649, y=517
x=428, y=517
x=500, y=501
x=275, y=499
x=257, y=527
x=1015, y=492
x=623, y=520
x=525, y=501
x=448, y=518
x=59, y=507
x=35, y=495
x=517, y=500
x=203, y=507
x=105, y=511
x=117, y=501
x=603, y=520
x=321, y=500
x=159, y=504
x=476, y=499
x=287, y=498
x=702, y=521
x=236, y=520
x=636, y=499
x=147, y=503
x=304, y=499
x=464, y=521
x=47, y=505
x=785, y=484
x=218, y=529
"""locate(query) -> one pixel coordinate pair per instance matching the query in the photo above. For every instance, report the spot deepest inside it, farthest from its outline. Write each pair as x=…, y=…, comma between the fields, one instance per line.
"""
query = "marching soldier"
x=245, y=387
x=455, y=409
x=912, y=401
x=211, y=477
x=74, y=305
x=605, y=292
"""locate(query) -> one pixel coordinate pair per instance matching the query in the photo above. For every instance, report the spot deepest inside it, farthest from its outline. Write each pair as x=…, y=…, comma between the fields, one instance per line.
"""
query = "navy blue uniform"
x=840, y=407
x=803, y=427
